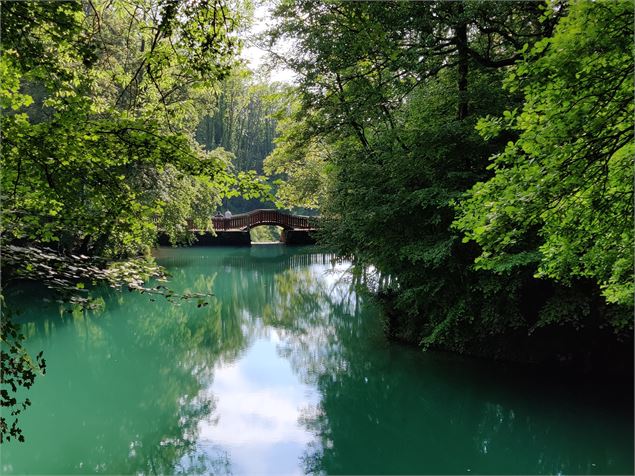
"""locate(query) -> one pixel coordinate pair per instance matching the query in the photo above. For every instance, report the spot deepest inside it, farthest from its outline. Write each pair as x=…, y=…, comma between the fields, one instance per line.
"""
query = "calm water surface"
x=286, y=371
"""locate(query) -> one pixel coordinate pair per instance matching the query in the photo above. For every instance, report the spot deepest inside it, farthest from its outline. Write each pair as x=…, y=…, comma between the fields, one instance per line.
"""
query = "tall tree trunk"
x=461, y=40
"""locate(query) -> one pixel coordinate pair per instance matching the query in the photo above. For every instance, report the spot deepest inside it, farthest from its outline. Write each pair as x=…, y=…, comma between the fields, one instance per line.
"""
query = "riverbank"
x=592, y=350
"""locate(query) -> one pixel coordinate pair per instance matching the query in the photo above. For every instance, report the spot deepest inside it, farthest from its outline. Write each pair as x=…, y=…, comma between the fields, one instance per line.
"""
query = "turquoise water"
x=286, y=371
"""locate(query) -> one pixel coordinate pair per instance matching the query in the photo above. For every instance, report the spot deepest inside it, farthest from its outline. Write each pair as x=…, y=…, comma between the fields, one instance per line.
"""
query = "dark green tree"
x=392, y=93
x=568, y=179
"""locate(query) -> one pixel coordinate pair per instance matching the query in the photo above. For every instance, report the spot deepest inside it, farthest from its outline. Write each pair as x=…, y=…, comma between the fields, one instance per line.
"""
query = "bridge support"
x=297, y=237
x=224, y=238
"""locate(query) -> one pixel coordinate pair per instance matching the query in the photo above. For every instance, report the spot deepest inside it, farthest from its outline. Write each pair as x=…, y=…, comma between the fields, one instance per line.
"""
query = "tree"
x=98, y=101
x=243, y=120
x=391, y=92
x=82, y=172
x=299, y=162
x=562, y=193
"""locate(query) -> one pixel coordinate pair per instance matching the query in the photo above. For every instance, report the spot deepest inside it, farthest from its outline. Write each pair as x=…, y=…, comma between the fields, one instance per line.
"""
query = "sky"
x=257, y=57
x=259, y=405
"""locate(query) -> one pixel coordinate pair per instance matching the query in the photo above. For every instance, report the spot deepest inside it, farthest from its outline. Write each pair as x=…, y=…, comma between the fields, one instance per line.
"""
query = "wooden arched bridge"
x=246, y=221
x=234, y=230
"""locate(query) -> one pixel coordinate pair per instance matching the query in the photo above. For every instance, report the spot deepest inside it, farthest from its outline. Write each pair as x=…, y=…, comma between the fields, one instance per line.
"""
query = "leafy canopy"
x=568, y=178
x=99, y=100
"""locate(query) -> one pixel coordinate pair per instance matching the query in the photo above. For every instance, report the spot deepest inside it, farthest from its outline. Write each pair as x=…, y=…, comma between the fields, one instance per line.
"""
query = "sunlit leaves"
x=299, y=165
x=97, y=98
x=568, y=178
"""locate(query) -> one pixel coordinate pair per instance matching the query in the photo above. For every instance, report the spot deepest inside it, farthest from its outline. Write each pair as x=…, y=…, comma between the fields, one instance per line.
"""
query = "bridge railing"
x=244, y=221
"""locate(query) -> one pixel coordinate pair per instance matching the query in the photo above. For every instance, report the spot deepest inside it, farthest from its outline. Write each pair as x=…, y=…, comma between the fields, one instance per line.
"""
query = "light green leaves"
x=565, y=185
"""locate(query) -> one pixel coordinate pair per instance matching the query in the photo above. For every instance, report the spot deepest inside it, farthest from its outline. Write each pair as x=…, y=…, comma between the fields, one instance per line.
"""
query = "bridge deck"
x=245, y=221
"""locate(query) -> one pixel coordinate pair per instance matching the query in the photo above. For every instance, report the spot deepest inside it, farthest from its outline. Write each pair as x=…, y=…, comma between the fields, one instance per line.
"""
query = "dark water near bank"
x=287, y=371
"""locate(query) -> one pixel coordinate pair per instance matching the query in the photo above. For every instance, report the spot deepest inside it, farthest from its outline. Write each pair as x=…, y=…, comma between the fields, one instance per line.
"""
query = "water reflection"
x=386, y=409
x=126, y=388
x=287, y=371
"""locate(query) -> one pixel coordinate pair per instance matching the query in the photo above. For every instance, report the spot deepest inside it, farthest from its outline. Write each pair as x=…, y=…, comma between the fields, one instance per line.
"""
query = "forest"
x=474, y=159
x=477, y=158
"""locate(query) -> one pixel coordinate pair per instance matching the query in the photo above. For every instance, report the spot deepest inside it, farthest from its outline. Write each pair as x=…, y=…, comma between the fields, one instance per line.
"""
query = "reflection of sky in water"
x=259, y=400
x=288, y=370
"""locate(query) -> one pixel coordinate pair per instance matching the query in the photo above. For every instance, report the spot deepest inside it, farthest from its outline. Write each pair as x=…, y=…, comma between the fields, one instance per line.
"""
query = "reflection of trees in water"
x=398, y=414
x=143, y=385
x=140, y=388
x=383, y=408
x=389, y=409
x=213, y=461
x=309, y=309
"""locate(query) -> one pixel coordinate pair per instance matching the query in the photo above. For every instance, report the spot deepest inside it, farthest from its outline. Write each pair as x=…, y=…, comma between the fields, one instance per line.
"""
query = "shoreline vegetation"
x=474, y=160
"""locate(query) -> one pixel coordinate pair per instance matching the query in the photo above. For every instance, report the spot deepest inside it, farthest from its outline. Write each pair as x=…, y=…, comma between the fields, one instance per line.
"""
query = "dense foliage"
x=398, y=108
x=265, y=234
x=95, y=162
x=100, y=101
x=569, y=176
x=243, y=121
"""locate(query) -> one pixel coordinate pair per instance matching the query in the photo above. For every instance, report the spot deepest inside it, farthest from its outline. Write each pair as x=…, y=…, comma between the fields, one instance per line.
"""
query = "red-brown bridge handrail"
x=245, y=221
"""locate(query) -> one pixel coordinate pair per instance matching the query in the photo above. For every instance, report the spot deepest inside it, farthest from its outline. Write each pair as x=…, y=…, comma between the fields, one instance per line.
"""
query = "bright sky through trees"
x=253, y=52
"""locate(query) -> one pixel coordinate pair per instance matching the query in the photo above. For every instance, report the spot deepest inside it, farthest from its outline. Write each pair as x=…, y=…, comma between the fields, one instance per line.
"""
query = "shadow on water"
x=131, y=389
x=389, y=409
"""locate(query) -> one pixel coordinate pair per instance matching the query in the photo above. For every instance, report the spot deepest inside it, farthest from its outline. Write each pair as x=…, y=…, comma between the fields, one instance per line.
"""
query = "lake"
x=286, y=370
